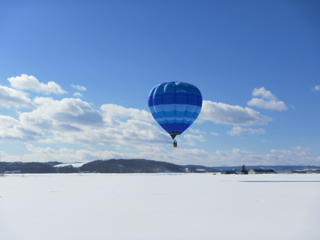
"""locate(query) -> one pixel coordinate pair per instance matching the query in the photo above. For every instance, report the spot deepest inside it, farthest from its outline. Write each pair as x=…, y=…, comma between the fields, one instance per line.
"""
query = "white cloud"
x=12, y=129
x=50, y=116
x=268, y=104
x=293, y=156
x=192, y=156
x=45, y=154
x=215, y=134
x=262, y=92
x=7, y=121
x=77, y=94
x=10, y=97
x=68, y=111
x=66, y=115
x=238, y=131
x=80, y=88
x=239, y=152
x=267, y=100
x=46, y=141
x=296, y=151
x=191, y=139
x=178, y=155
x=196, y=131
x=316, y=88
x=115, y=110
x=221, y=153
x=235, y=156
x=228, y=114
x=46, y=150
x=133, y=132
x=31, y=83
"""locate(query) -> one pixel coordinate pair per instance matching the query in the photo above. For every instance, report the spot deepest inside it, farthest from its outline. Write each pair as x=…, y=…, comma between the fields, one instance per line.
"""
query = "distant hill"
x=103, y=166
x=132, y=166
x=140, y=166
x=29, y=167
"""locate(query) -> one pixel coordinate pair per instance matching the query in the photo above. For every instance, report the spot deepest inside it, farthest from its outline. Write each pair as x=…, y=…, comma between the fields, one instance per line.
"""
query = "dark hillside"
x=130, y=166
x=29, y=167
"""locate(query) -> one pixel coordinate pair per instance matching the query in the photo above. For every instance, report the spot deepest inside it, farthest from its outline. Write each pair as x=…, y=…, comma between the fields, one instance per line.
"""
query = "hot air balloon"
x=175, y=106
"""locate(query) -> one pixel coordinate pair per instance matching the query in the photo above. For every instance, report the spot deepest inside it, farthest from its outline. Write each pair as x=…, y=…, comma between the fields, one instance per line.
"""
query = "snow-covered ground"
x=76, y=165
x=159, y=206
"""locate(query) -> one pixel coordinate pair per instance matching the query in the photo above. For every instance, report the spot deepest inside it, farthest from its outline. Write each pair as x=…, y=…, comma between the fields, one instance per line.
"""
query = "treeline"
x=30, y=167
x=138, y=166
x=103, y=166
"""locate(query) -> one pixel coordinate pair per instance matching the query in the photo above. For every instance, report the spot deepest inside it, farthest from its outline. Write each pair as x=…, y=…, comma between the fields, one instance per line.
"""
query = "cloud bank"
x=233, y=157
x=74, y=121
x=131, y=132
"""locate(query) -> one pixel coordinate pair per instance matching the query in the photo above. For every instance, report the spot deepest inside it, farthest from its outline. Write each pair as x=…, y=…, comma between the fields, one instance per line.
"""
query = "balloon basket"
x=175, y=144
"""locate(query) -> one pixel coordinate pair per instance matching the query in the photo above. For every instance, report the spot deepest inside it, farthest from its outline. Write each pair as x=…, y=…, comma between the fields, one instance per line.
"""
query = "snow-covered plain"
x=159, y=206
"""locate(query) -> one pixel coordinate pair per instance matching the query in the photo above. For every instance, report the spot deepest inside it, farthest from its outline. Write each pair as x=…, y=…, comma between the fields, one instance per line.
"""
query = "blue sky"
x=75, y=78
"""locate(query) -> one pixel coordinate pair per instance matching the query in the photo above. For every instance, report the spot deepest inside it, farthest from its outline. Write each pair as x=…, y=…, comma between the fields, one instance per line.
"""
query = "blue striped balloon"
x=175, y=106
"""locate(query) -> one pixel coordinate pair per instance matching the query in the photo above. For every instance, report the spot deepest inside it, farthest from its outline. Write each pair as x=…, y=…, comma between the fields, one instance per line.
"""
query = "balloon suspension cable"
x=174, y=134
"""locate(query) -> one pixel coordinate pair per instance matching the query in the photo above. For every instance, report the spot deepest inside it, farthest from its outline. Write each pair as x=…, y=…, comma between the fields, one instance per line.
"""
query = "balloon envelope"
x=175, y=106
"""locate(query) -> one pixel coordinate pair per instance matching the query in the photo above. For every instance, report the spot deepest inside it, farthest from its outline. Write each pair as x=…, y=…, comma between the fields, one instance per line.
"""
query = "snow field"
x=159, y=206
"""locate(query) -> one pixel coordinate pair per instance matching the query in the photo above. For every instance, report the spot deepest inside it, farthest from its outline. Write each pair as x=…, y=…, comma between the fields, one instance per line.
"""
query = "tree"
x=244, y=170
